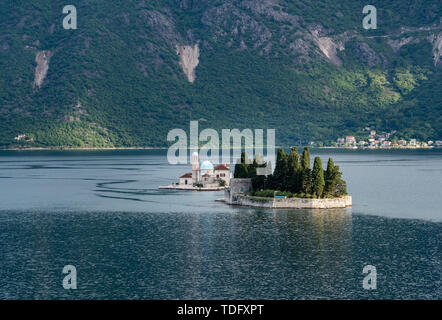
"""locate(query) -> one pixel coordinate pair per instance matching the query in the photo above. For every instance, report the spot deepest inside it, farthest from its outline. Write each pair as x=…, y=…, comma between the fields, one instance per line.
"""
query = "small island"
x=293, y=184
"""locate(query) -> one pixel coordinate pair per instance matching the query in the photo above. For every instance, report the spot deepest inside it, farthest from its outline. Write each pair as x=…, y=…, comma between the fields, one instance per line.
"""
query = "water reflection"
x=157, y=244
x=257, y=253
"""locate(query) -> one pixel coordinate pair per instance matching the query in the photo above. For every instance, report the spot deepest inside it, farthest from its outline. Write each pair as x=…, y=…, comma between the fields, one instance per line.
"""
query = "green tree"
x=318, y=182
x=334, y=184
x=294, y=170
x=329, y=177
x=251, y=169
x=341, y=185
x=305, y=159
x=258, y=181
x=281, y=171
x=242, y=168
x=306, y=174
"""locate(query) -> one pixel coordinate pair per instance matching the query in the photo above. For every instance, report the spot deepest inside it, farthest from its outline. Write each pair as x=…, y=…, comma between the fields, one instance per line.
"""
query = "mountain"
x=135, y=69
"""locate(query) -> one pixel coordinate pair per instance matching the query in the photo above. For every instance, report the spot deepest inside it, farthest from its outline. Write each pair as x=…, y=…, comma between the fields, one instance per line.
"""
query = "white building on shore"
x=205, y=176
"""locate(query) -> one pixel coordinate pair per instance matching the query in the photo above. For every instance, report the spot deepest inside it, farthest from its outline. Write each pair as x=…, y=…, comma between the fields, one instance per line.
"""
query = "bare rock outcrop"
x=163, y=25
x=228, y=21
x=270, y=9
x=397, y=44
x=366, y=54
x=189, y=60
x=42, y=59
x=329, y=48
x=437, y=48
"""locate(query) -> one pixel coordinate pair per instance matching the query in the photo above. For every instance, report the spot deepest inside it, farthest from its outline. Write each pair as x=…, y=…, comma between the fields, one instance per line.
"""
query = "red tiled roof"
x=187, y=175
x=221, y=166
x=206, y=175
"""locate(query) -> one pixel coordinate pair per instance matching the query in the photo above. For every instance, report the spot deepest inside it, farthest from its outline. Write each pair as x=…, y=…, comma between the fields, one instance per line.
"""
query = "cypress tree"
x=306, y=175
x=242, y=168
x=305, y=159
x=281, y=171
x=306, y=181
x=329, y=178
x=294, y=168
x=258, y=181
x=244, y=158
x=334, y=184
x=340, y=184
x=251, y=171
x=318, y=182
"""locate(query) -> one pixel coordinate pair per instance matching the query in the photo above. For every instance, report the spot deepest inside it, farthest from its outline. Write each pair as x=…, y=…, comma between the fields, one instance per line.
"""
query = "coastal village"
x=384, y=140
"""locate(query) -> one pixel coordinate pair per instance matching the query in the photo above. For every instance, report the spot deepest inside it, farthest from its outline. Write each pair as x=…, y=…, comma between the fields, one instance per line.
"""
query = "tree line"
x=293, y=176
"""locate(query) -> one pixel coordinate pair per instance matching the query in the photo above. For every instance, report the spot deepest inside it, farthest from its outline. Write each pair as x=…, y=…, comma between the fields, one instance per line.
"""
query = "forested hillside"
x=135, y=69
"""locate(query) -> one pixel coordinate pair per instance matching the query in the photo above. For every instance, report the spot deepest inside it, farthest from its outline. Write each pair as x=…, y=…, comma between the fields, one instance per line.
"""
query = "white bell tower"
x=195, y=168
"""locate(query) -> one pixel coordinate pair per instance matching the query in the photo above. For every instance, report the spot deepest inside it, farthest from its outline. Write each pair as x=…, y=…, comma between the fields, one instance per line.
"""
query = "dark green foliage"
x=306, y=181
x=341, y=185
x=315, y=183
x=258, y=181
x=330, y=177
x=242, y=168
x=293, y=160
x=305, y=159
x=318, y=182
x=251, y=170
x=335, y=186
x=263, y=193
x=306, y=173
x=127, y=77
x=281, y=173
x=294, y=172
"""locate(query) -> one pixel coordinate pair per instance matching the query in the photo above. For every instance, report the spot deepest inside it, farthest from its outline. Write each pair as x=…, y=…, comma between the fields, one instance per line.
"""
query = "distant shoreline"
x=100, y=148
x=81, y=149
x=112, y=148
x=165, y=148
x=367, y=148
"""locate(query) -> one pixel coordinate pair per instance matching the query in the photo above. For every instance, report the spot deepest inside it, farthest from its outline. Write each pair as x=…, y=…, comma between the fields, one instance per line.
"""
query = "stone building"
x=206, y=175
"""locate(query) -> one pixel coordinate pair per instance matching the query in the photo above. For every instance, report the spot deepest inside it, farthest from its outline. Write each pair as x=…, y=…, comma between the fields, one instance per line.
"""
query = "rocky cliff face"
x=328, y=48
x=42, y=59
x=269, y=28
x=306, y=68
x=437, y=48
x=189, y=60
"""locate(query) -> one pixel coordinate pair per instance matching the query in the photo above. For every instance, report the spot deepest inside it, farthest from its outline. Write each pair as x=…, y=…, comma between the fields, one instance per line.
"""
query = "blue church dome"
x=206, y=165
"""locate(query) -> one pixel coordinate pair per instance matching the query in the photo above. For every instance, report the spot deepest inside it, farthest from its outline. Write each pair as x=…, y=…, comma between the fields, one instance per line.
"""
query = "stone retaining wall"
x=238, y=194
x=290, y=203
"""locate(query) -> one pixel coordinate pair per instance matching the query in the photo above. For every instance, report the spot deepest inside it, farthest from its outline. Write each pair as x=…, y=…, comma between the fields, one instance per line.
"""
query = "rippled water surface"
x=102, y=212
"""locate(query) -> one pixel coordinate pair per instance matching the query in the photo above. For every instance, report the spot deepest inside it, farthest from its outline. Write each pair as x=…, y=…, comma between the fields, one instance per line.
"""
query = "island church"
x=206, y=175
